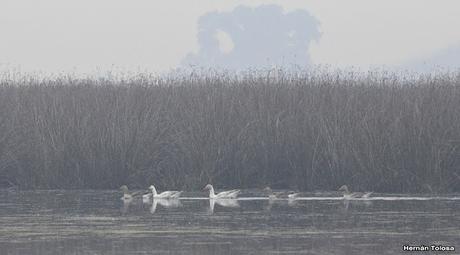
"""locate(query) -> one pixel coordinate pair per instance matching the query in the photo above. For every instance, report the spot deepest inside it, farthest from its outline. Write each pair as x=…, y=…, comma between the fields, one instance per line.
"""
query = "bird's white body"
x=229, y=194
x=163, y=195
x=367, y=194
x=293, y=195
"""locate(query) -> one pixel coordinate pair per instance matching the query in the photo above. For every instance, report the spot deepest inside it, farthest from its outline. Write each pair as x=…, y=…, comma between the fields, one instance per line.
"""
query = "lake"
x=98, y=222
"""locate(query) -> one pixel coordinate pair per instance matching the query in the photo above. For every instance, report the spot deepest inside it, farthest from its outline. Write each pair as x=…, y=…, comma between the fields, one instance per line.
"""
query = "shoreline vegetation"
x=309, y=131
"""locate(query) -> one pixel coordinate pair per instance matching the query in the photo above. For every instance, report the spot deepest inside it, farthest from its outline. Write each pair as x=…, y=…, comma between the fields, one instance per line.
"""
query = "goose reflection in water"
x=222, y=202
x=167, y=203
x=126, y=203
x=291, y=202
x=355, y=203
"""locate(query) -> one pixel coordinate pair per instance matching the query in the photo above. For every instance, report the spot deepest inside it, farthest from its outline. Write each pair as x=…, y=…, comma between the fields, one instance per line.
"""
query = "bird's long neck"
x=345, y=190
x=154, y=191
x=211, y=191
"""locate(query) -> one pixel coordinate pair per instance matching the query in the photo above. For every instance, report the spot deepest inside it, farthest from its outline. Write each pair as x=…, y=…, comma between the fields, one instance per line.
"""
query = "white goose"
x=162, y=195
x=350, y=195
x=293, y=195
x=229, y=194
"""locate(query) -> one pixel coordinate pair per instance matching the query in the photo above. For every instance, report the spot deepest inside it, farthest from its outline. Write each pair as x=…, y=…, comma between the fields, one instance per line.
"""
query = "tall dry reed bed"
x=381, y=132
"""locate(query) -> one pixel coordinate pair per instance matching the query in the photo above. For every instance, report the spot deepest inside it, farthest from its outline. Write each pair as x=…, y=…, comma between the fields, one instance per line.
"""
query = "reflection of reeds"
x=374, y=132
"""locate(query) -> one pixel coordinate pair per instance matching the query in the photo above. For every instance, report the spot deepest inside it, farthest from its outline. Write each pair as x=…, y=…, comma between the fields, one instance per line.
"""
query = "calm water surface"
x=98, y=222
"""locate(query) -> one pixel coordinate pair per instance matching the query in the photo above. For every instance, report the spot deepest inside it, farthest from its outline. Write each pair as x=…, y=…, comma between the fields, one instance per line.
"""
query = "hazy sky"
x=86, y=35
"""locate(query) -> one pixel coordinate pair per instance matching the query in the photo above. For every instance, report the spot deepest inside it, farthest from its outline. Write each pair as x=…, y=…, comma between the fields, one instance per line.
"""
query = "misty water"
x=98, y=222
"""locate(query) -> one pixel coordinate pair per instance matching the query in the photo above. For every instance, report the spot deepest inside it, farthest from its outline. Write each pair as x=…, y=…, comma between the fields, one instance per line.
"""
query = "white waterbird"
x=293, y=195
x=229, y=194
x=163, y=195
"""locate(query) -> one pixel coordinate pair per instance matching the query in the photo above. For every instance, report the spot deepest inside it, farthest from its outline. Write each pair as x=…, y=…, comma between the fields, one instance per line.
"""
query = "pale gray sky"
x=154, y=35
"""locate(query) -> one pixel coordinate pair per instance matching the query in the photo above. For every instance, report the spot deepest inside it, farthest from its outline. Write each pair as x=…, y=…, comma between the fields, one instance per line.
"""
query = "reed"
x=306, y=130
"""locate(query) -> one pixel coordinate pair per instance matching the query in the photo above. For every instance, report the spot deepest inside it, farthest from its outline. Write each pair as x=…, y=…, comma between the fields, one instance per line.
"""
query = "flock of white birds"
x=228, y=194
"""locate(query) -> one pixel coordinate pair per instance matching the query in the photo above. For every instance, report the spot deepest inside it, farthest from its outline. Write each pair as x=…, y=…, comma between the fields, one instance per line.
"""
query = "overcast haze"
x=84, y=35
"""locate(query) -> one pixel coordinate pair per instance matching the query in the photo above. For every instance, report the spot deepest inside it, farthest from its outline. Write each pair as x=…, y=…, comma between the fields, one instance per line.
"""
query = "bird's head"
x=124, y=188
x=343, y=188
